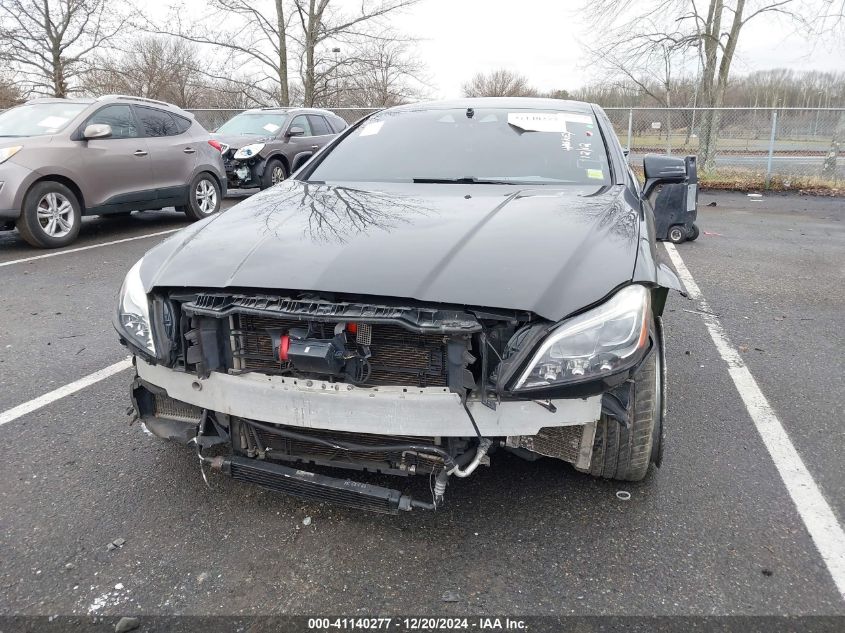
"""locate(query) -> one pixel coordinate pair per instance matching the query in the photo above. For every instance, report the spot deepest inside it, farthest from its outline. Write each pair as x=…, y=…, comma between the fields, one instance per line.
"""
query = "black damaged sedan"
x=444, y=282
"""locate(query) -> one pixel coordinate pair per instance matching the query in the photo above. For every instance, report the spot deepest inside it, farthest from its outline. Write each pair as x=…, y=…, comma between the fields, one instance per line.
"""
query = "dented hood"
x=549, y=250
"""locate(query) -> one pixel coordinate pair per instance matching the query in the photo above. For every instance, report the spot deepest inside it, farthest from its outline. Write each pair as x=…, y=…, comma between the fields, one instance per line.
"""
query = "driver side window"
x=119, y=117
x=302, y=121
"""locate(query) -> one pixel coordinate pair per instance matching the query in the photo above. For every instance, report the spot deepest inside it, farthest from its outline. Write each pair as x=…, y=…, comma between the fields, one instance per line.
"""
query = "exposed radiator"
x=399, y=357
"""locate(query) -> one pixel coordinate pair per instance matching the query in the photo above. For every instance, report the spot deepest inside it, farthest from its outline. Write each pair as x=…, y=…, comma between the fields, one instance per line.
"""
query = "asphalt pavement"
x=713, y=532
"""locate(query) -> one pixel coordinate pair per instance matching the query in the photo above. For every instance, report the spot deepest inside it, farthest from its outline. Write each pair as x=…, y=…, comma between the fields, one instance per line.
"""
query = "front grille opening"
x=399, y=357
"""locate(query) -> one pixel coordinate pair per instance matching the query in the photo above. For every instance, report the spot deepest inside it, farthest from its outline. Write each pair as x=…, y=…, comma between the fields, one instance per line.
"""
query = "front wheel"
x=274, y=173
x=677, y=234
x=51, y=216
x=203, y=198
x=626, y=454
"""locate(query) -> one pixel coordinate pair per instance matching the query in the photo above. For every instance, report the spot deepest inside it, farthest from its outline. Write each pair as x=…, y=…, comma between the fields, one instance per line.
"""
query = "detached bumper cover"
x=432, y=411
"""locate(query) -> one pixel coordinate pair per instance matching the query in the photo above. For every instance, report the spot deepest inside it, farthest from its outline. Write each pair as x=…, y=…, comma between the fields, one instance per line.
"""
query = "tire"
x=693, y=233
x=204, y=197
x=51, y=216
x=274, y=173
x=677, y=234
x=626, y=454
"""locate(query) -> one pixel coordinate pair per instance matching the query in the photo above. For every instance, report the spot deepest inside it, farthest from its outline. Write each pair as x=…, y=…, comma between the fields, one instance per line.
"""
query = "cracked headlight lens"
x=599, y=342
x=133, y=311
x=248, y=151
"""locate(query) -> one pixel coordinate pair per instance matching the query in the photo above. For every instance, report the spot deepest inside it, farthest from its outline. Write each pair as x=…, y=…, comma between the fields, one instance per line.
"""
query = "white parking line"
x=816, y=513
x=86, y=248
x=41, y=401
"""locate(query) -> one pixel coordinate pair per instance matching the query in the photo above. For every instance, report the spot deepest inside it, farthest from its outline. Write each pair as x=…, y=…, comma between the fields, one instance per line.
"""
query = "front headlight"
x=133, y=311
x=7, y=152
x=248, y=151
x=597, y=343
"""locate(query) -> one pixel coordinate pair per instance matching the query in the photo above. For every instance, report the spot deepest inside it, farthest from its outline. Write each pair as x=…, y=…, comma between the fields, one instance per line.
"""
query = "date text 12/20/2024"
x=318, y=625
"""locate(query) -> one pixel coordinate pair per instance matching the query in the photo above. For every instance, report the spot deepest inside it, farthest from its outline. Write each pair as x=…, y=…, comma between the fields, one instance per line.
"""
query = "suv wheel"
x=274, y=173
x=203, y=198
x=626, y=454
x=51, y=216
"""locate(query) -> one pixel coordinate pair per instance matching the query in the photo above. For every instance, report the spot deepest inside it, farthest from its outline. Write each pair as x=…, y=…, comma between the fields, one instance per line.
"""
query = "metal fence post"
x=771, y=148
x=630, y=127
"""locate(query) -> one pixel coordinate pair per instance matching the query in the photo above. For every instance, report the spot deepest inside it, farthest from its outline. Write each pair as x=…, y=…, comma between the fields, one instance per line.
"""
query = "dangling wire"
x=199, y=447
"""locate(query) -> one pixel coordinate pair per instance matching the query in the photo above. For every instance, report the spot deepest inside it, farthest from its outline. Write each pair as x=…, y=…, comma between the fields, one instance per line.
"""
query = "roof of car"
x=111, y=99
x=284, y=110
x=61, y=100
x=523, y=103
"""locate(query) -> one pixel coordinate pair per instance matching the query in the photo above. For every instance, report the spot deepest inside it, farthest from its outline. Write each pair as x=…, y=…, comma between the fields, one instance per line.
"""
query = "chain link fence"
x=791, y=147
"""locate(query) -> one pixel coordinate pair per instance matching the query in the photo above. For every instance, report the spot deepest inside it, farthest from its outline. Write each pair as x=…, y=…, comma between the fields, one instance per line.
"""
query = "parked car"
x=446, y=281
x=262, y=147
x=61, y=159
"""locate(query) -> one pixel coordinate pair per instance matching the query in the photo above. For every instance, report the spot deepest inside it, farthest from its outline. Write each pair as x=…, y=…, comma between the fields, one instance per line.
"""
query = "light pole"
x=336, y=52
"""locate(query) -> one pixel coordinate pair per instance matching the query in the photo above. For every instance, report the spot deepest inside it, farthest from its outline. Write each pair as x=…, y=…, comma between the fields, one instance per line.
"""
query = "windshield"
x=480, y=146
x=38, y=118
x=254, y=123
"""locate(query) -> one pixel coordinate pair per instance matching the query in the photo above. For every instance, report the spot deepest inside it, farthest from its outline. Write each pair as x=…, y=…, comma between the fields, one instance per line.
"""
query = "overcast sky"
x=542, y=39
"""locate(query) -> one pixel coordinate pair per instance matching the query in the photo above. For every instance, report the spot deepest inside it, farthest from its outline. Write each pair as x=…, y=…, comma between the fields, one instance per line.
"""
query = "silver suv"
x=61, y=159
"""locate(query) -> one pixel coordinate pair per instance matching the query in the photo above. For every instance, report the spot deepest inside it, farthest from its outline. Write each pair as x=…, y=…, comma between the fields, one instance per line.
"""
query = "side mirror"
x=96, y=130
x=295, y=131
x=660, y=170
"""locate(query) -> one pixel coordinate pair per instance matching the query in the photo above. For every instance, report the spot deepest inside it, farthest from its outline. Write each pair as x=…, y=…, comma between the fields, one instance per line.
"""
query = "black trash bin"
x=675, y=204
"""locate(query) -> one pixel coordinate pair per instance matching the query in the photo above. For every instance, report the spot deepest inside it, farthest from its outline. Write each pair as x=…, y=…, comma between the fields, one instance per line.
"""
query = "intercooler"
x=399, y=356
x=317, y=487
x=289, y=449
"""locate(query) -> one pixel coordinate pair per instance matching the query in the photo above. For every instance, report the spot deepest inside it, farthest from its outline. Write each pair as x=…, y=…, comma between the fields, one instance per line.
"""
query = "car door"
x=173, y=152
x=115, y=171
x=300, y=147
x=321, y=131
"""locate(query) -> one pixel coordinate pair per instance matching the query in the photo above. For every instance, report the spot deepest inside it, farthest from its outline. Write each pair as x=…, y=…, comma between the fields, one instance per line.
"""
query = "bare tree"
x=384, y=73
x=10, y=94
x=499, y=83
x=321, y=21
x=155, y=67
x=711, y=28
x=252, y=34
x=48, y=41
x=648, y=64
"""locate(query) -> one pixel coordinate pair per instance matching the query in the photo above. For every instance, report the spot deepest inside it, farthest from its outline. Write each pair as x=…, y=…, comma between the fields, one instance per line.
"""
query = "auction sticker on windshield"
x=371, y=129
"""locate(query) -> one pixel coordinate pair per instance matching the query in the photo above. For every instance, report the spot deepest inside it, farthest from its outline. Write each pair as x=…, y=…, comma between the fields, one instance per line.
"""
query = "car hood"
x=549, y=250
x=237, y=141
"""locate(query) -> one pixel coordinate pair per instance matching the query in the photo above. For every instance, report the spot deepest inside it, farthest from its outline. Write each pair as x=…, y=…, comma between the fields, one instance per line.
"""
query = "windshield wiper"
x=466, y=180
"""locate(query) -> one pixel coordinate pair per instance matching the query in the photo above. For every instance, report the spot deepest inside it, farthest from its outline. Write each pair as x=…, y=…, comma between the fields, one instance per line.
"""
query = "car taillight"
x=216, y=145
